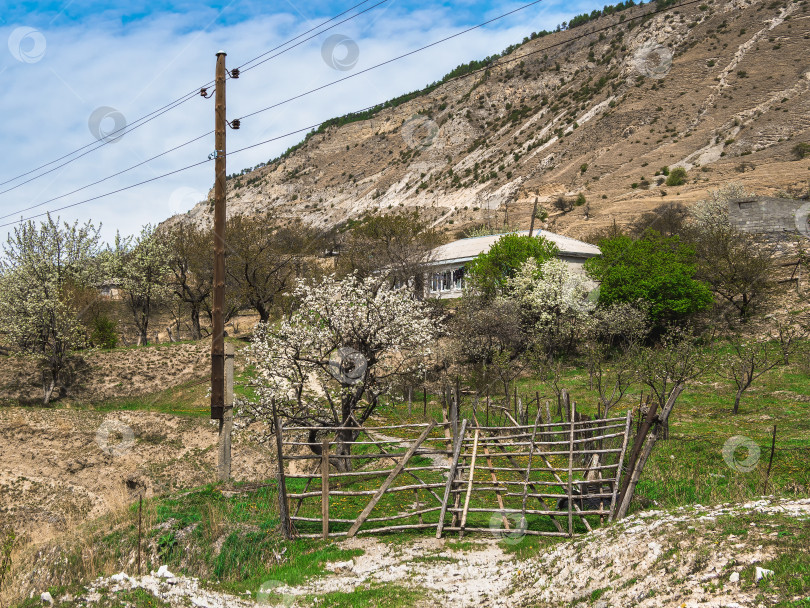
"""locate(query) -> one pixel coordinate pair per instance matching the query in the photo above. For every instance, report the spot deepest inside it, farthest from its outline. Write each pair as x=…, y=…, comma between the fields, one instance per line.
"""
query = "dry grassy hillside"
x=592, y=110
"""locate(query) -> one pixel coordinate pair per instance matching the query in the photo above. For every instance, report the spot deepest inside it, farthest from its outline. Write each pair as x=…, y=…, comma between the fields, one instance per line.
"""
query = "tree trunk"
x=264, y=313
x=737, y=398
x=195, y=323
x=48, y=386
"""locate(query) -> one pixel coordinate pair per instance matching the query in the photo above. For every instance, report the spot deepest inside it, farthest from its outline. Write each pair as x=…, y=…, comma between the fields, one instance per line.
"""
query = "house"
x=446, y=266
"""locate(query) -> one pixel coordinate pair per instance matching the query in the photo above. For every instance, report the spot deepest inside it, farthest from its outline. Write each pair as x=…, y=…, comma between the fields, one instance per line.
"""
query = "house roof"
x=465, y=250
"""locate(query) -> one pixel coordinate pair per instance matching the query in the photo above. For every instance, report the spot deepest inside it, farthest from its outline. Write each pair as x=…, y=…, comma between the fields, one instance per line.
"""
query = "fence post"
x=325, y=488
x=770, y=461
x=283, y=508
x=571, y=472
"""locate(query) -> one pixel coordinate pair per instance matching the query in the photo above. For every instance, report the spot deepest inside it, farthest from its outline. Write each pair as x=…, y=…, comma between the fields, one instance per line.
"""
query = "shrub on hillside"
x=801, y=150
x=104, y=334
x=677, y=177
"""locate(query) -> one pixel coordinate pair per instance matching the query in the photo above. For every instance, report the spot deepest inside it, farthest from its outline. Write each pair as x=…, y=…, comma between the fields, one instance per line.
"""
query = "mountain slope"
x=719, y=88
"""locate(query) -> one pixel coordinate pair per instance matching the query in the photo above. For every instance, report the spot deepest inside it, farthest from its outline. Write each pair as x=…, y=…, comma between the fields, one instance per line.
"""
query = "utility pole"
x=218, y=323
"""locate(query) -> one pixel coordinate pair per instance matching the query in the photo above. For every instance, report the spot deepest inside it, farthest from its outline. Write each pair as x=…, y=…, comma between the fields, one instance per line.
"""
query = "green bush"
x=104, y=335
x=677, y=177
x=801, y=150
x=489, y=271
x=657, y=269
x=580, y=200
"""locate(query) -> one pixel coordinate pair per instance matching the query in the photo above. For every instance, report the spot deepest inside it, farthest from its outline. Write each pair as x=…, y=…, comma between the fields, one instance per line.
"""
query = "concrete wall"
x=763, y=215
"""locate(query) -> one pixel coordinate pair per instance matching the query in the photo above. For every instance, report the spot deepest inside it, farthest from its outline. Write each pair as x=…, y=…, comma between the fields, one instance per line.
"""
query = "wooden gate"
x=557, y=478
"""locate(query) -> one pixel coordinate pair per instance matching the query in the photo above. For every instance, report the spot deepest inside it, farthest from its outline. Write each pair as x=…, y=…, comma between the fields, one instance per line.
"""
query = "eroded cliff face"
x=719, y=88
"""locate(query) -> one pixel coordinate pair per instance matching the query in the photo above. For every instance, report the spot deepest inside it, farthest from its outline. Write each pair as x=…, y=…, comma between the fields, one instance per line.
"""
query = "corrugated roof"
x=466, y=249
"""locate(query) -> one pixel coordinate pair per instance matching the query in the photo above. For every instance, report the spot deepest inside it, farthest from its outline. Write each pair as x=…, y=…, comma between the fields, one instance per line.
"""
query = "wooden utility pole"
x=218, y=323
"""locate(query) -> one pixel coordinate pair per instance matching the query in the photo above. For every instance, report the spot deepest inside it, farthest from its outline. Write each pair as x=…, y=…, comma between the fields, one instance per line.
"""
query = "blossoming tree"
x=554, y=302
x=348, y=343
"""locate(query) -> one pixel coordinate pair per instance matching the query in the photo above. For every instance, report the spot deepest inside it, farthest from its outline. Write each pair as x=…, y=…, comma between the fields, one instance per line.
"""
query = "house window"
x=458, y=278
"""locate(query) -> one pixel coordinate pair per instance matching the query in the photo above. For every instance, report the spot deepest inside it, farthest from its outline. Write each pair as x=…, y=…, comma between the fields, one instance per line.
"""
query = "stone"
x=163, y=572
x=734, y=578
x=119, y=578
x=760, y=573
x=46, y=597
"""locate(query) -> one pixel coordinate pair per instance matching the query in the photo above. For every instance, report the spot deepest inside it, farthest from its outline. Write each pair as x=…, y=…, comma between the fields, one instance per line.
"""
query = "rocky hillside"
x=719, y=88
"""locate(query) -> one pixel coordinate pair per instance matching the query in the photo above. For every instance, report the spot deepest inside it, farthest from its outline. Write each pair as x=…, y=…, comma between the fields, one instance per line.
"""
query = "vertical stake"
x=140, y=521
x=424, y=396
x=770, y=461
x=325, y=488
x=283, y=507
x=571, y=472
x=217, y=316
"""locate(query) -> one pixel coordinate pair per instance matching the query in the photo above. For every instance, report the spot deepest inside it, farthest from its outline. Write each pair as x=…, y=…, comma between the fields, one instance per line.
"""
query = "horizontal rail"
x=366, y=473
x=375, y=530
x=498, y=511
x=368, y=456
x=502, y=532
x=370, y=519
x=424, y=486
x=363, y=428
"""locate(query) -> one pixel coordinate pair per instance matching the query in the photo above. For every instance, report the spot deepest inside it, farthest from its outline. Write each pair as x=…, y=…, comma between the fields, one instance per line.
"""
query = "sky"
x=74, y=71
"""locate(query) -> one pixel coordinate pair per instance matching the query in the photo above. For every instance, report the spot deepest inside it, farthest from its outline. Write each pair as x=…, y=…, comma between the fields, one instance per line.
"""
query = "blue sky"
x=64, y=62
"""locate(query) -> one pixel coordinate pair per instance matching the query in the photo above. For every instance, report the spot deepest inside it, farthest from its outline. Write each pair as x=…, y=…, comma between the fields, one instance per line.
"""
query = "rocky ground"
x=688, y=558
x=63, y=466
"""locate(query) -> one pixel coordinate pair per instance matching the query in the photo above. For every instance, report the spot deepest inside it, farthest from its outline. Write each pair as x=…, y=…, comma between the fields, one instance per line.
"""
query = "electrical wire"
x=179, y=101
x=56, y=198
x=311, y=127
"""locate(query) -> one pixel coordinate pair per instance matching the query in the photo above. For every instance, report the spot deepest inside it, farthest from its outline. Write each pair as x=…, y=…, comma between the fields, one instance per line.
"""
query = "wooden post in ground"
x=469, y=483
x=325, y=488
x=571, y=472
x=283, y=507
x=451, y=476
x=140, y=522
x=642, y=460
x=770, y=461
x=226, y=422
x=616, y=483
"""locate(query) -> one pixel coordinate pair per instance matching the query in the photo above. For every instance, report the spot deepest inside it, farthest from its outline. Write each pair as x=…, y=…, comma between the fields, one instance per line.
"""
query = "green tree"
x=141, y=268
x=656, y=270
x=191, y=266
x=489, y=272
x=264, y=259
x=45, y=277
x=394, y=247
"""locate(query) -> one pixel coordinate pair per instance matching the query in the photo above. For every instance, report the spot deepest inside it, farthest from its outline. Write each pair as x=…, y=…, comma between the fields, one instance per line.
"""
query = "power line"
x=179, y=101
x=242, y=67
x=311, y=127
x=95, y=183
x=409, y=53
x=108, y=138
x=146, y=181
x=264, y=109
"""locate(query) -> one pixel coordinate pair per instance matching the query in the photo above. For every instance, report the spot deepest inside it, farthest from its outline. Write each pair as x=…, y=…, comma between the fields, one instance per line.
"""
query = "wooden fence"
x=553, y=478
